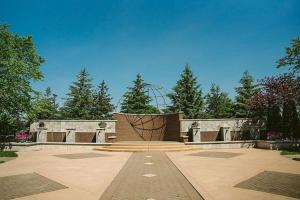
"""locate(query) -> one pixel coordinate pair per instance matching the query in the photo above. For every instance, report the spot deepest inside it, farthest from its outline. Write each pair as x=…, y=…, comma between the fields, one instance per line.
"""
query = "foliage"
x=43, y=107
x=292, y=58
x=278, y=100
x=79, y=103
x=136, y=100
x=187, y=95
x=19, y=66
x=8, y=154
x=219, y=105
x=244, y=93
x=102, y=106
x=289, y=152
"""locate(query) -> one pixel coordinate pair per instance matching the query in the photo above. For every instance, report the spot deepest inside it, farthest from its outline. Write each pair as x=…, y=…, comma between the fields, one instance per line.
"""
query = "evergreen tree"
x=290, y=120
x=79, y=103
x=187, y=95
x=102, y=107
x=136, y=100
x=244, y=93
x=219, y=105
x=43, y=107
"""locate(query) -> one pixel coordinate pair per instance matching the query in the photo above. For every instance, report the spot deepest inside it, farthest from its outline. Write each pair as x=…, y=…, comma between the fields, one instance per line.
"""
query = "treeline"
x=85, y=102
x=274, y=99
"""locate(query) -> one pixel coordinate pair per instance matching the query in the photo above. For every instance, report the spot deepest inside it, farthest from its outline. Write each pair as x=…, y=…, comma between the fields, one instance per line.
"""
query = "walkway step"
x=145, y=149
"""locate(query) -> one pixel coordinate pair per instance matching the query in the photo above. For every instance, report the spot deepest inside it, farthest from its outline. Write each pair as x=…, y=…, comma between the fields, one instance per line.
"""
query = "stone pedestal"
x=70, y=135
x=100, y=135
x=226, y=135
x=196, y=134
x=41, y=134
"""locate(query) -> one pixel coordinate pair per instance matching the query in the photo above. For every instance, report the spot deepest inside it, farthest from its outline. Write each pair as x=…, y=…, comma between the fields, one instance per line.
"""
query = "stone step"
x=116, y=149
x=148, y=144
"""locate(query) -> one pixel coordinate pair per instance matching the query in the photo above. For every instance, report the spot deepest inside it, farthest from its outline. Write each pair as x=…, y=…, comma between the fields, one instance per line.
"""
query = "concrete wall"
x=211, y=129
x=51, y=128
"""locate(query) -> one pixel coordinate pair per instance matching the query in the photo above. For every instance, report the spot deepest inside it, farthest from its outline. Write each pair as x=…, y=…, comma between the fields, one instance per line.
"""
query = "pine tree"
x=244, y=94
x=80, y=100
x=102, y=107
x=219, y=105
x=136, y=100
x=187, y=95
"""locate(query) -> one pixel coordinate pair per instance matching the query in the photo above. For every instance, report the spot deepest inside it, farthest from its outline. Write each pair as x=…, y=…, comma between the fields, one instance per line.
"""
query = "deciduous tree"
x=292, y=58
x=279, y=96
x=19, y=66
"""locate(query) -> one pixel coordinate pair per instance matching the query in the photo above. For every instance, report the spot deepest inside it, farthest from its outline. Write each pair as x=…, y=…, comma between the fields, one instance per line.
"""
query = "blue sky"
x=115, y=40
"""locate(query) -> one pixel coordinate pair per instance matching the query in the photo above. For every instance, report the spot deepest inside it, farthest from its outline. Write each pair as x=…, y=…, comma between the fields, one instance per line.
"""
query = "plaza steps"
x=146, y=146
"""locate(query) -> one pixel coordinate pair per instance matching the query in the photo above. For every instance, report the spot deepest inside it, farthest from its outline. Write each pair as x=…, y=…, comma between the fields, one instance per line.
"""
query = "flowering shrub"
x=22, y=136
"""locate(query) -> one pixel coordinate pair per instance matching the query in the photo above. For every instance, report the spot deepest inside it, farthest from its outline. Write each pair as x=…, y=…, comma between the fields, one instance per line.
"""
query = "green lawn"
x=8, y=154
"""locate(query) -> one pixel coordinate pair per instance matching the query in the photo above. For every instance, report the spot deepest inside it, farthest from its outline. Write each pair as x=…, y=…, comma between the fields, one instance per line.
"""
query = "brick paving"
x=150, y=176
x=216, y=154
x=80, y=155
x=280, y=183
x=26, y=184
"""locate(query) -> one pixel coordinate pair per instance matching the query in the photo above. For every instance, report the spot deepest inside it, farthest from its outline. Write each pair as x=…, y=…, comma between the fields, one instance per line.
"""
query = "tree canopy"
x=292, y=58
x=187, y=95
x=19, y=66
x=43, y=106
x=245, y=92
x=102, y=106
x=79, y=103
x=278, y=101
x=136, y=100
x=218, y=104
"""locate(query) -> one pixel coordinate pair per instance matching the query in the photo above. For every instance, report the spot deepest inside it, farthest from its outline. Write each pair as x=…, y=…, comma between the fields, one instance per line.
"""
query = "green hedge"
x=8, y=154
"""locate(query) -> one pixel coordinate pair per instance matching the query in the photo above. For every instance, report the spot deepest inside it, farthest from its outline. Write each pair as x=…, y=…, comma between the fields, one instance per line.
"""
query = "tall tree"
x=79, y=103
x=136, y=100
x=292, y=58
x=102, y=107
x=19, y=66
x=282, y=93
x=43, y=106
x=244, y=94
x=187, y=95
x=219, y=105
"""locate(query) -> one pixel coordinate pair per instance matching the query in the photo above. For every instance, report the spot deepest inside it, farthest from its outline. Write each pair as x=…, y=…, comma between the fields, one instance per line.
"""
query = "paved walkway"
x=150, y=176
x=219, y=177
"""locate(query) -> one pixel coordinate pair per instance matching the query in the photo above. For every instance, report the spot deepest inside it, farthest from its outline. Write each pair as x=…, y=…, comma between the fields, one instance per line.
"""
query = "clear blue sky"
x=115, y=40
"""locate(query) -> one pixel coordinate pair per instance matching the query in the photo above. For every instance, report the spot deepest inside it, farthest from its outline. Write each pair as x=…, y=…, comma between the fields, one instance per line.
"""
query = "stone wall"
x=213, y=129
x=51, y=130
x=148, y=127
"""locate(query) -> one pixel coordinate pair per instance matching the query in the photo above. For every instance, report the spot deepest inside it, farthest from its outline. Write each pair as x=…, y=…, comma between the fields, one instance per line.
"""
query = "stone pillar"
x=70, y=135
x=41, y=134
x=196, y=134
x=226, y=135
x=100, y=135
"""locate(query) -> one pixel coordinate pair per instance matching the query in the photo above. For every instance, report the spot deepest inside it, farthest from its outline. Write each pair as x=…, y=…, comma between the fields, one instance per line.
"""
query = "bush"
x=8, y=154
